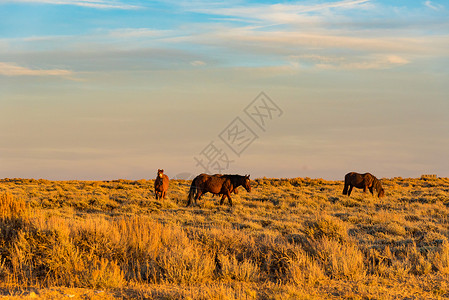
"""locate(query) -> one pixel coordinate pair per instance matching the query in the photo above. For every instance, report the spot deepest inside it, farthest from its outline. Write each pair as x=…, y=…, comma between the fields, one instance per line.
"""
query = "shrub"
x=12, y=207
x=244, y=270
x=416, y=262
x=304, y=270
x=440, y=258
x=183, y=264
x=340, y=260
x=327, y=227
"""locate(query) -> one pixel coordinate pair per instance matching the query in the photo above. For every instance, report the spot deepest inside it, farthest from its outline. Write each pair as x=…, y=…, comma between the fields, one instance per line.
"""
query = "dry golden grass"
x=289, y=239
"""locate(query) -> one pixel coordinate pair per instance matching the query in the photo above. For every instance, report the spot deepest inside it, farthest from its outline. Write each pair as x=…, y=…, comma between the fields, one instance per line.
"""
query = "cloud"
x=433, y=6
x=295, y=43
x=394, y=59
x=197, y=63
x=269, y=71
x=11, y=69
x=329, y=31
x=101, y=4
x=137, y=33
x=278, y=13
x=370, y=63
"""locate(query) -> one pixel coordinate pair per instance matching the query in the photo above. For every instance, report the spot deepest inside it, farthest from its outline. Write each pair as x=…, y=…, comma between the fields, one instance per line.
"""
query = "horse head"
x=247, y=184
x=160, y=173
x=378, y=186
x=381, y=192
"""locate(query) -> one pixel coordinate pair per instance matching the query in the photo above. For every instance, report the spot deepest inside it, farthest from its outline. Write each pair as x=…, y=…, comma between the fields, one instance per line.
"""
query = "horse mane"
x=231, y=176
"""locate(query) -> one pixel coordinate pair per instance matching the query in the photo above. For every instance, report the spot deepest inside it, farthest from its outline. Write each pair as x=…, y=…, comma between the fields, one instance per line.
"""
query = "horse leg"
x=227, y=194
x=350, y=190
x=198, y=196
x=163, y=195
x=230, y=200
x=371, y=191
x=364, y=188
x=345, y=189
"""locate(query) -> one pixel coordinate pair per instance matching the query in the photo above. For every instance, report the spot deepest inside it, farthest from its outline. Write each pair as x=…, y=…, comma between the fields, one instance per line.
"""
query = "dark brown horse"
x=217, y=185
x=235, y=190
x=161, y=185
x=362, y=181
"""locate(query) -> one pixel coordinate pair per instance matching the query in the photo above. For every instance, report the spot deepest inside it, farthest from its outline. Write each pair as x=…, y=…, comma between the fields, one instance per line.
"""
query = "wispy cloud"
x=137, y=33
x=369, y=63
x=100, y=4
x=197, y=63
x=336, y=30
x=278, y=13
x=308, y=42
x=434, y=6
x=11, y=69
x=270, y=71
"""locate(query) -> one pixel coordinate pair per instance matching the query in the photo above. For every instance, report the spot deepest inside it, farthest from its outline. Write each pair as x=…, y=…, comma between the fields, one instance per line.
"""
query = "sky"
x=109, y=89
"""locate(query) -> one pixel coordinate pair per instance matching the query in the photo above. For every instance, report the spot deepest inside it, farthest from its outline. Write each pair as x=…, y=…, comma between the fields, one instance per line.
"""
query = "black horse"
x=362, y=181
x=217, y=185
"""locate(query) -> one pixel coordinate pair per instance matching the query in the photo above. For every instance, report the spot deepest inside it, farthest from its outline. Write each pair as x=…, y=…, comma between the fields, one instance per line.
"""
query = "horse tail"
x=193, y=189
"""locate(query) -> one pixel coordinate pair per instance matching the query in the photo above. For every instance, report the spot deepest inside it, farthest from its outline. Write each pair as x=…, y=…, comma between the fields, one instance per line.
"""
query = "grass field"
x=288, y=239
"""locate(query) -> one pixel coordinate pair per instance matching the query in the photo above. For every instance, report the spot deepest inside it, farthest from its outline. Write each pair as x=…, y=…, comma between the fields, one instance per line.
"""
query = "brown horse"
x=362, y=181
x=161, y=185
x=217, y=185
x=235, y=190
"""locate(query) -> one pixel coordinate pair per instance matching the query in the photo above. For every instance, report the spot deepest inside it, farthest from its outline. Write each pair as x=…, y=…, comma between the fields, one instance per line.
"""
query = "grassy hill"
x=289, y=238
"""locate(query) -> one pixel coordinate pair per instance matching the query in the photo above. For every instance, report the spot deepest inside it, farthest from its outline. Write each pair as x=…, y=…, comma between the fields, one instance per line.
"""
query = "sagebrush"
x=289, y=238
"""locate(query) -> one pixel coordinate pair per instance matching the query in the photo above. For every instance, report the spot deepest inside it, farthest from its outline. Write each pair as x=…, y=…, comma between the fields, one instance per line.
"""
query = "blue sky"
x=118, y=89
